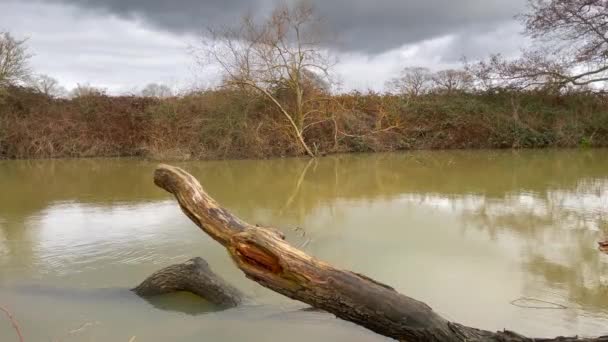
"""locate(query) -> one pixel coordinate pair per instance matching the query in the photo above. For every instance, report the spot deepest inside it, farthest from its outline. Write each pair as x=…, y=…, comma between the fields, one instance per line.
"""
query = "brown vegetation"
x=233, y=124
x=276, y=100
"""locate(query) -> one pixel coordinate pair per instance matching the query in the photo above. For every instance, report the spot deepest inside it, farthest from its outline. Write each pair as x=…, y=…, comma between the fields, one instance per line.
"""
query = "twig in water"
x=300, y=230
x=303, y=235
x=13, y=322
x=80, y=329
x=305, y=243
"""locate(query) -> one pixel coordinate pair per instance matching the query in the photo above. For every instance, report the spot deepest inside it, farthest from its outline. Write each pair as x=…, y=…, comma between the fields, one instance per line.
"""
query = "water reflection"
x=182, y=302
x=489, y=226
x=558, y=231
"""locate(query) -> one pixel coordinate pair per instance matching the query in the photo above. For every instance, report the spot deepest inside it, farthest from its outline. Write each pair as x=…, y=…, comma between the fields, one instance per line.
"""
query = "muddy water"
x=470, y=233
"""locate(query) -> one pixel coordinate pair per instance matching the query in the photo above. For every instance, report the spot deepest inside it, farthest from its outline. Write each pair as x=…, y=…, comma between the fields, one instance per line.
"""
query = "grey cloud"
x=101, y=50
x=369, y=26
x=384, y=24
x=85, y=41
x=474, y=45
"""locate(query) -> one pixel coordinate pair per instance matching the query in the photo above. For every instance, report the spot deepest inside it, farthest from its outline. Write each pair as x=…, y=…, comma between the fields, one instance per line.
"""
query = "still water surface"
x=466, y=232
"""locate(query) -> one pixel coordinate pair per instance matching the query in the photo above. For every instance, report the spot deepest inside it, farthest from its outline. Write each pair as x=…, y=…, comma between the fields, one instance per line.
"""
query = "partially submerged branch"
x=194, y=276
x=265, y=257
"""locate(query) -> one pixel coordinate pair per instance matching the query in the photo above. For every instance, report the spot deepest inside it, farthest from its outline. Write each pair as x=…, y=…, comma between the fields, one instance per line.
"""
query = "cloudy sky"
x=121, y=45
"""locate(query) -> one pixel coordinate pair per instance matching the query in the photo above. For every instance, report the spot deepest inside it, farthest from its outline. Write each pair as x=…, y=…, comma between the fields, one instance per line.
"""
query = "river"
x=491, y=239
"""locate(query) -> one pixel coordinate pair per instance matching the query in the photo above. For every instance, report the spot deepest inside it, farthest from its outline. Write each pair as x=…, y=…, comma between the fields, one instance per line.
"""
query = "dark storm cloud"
x=384, y=24
x=369, y=26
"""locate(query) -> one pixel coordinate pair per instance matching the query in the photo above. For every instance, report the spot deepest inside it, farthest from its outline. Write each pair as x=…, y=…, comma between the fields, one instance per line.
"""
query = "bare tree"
x=14, y=60
x=86, y=90
x=452, y=80
x=160, y=91
x=413, y=81
x=46, y=85
x=280, y=57
x=486, y=76
x=570, y=47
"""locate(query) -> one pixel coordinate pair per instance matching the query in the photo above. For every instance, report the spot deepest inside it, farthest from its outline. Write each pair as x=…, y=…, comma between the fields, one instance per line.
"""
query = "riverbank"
x=230, y=124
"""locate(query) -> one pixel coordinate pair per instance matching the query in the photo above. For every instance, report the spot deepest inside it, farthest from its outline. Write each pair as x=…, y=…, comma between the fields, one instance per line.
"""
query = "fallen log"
x=194, y=276
x=265, y=257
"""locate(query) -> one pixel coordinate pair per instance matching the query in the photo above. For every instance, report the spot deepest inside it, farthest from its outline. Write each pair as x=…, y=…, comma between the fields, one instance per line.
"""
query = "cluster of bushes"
x=229, y=123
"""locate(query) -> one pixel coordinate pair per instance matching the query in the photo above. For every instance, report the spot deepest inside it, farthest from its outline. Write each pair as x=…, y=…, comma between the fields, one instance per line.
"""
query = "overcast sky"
x=122, y=45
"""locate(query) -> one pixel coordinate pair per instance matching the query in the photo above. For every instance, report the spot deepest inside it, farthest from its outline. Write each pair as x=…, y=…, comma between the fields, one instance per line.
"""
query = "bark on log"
x=264, y=256
x=193, y=276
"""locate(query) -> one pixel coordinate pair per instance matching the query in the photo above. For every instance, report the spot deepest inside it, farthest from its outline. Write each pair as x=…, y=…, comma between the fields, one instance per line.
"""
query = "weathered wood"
x=193, y=276
x=265, y=257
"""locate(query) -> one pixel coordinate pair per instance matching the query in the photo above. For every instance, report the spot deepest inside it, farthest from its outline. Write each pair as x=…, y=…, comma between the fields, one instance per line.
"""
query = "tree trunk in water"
x=264, y=256
x=193, y=276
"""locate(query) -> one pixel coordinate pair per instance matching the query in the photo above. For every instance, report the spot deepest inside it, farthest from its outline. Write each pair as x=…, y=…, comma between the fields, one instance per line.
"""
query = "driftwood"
x=193, y=276
x=265, y=257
